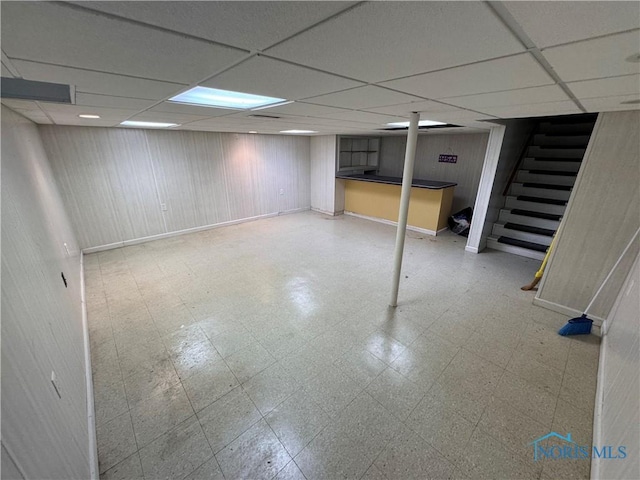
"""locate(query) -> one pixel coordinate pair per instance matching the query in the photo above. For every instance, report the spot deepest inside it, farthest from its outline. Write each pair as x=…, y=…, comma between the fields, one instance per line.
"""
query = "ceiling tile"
x=382, y=40
x=523, y=96
x=609, y=104
x=92, y=100
x=404, y=109
x=91, y=41
x=533, y=110
x=553, y=23
x=362, y=97
x=459, y=116
x=95, y=82
x=21, y=104
x=75, y=110
x=603, y=87
x=252, y=25
x=37, y=117
x=155, y=116
x=170, y=107
x=365, y=117
x=264, y=76
x=508, y=73
x=599, y=58
x=302, y=109
x=6, y=72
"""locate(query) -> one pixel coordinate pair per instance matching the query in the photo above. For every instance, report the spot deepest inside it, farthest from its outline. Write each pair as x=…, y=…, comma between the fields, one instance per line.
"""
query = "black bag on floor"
x=460, y=222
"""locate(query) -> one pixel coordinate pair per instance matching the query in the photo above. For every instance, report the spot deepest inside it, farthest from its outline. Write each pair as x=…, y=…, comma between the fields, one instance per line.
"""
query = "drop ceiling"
x=349, y=67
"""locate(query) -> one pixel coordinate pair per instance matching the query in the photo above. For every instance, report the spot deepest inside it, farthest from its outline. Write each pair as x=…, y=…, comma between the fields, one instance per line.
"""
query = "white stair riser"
x=518, y=189
x=542, y=139
x=555, y=152
x=523, y=252
x=556, y=165
x=513, y=202
x=525, y=176
x=499, y=230
x=507, y=216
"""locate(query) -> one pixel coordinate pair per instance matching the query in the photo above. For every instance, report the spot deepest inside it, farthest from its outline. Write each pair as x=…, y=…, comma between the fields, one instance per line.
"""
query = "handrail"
x=526, y=145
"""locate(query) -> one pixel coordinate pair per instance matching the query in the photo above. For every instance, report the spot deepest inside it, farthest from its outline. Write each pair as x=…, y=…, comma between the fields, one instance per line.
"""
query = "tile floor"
x=267, y=350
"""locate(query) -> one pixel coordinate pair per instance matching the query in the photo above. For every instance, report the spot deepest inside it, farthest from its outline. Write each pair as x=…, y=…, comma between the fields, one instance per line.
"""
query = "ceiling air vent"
x=271, y=117
x=30, y=90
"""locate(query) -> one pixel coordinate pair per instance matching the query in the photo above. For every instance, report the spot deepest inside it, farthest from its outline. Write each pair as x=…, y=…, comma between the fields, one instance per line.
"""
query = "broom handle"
x=611, y=271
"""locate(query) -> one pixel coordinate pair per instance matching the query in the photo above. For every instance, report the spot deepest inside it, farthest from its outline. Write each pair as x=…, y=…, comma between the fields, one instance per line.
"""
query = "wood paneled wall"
x=45, y=435
x=114, y=181
x=470, y=149
x=323, y=172
x=602, y=216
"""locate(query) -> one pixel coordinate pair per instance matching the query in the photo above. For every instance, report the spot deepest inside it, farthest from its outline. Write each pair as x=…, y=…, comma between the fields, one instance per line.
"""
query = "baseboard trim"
x=563, y=309
x=599, y=406
x=160, y=236
x=395, y=224
x=471, y=249
x=91, y=414
x=325, y=212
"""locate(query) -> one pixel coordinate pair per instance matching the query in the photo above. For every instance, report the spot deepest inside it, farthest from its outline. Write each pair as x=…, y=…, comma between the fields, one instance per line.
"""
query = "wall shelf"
x=358, y=153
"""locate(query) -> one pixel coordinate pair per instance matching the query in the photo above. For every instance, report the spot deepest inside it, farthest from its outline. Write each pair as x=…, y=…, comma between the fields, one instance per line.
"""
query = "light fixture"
x=87, y=115
x=272, y=105
x=133, y=123
x=421, y=123
x=298, y=131
x=252, y=131
x=212, y=97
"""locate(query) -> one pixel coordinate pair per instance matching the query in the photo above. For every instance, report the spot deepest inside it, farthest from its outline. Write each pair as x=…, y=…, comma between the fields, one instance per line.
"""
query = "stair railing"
x=521, y=158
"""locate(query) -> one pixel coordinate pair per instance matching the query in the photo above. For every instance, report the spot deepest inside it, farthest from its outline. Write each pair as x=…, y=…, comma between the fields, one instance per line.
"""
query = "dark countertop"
x=430, y=184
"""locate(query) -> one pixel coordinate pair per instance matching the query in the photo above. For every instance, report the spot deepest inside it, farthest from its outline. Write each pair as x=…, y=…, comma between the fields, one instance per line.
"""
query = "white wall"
x=113, y=181
x=601, y=217
x=470, y=148
x=45, y=435
x=325, y=189
x=617, y=420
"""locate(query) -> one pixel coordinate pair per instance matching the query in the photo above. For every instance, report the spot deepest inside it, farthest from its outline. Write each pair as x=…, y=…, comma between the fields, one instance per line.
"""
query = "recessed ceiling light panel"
x=298, y=131
x=88, y=115
x=212, y=97
x=421, y=123
x=133, y=123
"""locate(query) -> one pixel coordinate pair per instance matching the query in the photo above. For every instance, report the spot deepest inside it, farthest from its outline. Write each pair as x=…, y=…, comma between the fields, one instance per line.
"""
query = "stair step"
x=544, y=191
x=529, y=229
x=558, y=159
x=511, y=216
x=503, y=230
x=553, y=178
x=530, y=213
x=554, y=172
x=552, y=130
x=572, y=119
x=577, y=146
x=555, y=152
x=547, y=186
x=546, y=165
x=514, y=202
x=492, y=242
x=548, y=201
x=524, y=244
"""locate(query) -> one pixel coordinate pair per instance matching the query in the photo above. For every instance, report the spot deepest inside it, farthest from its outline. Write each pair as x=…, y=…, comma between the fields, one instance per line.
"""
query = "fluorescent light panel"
x=133, y=123
x=88, y=115
x=212, y=97
x=298, y=131
x=421, y=123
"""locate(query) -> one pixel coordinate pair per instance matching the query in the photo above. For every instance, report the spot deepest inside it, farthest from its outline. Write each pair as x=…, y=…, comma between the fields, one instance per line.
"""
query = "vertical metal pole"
x=407, y=179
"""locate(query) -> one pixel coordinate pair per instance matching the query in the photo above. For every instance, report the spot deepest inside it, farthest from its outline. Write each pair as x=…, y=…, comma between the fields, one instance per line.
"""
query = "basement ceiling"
x=349, y=67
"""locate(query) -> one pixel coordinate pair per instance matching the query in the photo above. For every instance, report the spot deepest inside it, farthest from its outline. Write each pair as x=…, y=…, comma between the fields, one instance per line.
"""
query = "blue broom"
x=582, y=325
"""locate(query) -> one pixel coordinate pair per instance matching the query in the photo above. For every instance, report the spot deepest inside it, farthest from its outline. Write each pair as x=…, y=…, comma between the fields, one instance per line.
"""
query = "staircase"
x=538, y=193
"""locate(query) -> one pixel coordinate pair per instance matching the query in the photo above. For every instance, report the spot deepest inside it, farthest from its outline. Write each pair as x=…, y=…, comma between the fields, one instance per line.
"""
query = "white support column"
x=407, y=179
x=487, y=177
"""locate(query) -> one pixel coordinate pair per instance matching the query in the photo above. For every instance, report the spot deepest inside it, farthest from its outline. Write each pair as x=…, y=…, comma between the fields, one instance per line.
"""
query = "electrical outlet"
x=163, y=207
x=281, y=191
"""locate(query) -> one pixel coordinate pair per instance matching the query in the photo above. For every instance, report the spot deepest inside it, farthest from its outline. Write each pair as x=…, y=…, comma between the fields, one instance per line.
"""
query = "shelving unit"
x=358, y=154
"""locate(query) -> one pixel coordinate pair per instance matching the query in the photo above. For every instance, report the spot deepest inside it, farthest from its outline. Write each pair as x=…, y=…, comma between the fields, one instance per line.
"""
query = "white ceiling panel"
x=37, y=117
x=362, y=97
x=519, y=71
x=533, y=110
x=95, y=82
x=549, y=93
x=605, y=87
x=155, y=116
x=21, y=104
x=196, y=110
x=92, y=100
x=75, y=110
x=610, y=104
x=264, y=76
x=552, y=23
x=404, y=109
x=382, y=40
x=365, y=117
x=249, y=25
x=6, y=72
x=598, y=58
x=302, y=109
x=458, y=117
x=92, y=41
